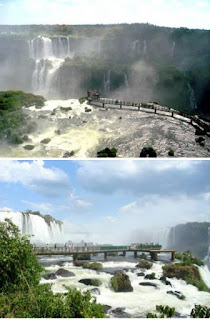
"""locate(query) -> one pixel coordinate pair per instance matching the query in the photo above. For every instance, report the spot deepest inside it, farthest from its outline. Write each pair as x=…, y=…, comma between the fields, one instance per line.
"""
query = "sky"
x=109, y=201
x=172, y=13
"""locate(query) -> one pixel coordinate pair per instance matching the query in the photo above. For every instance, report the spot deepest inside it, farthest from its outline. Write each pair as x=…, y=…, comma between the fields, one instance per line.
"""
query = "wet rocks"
x=164, y=280
x=91, y=282
x=95, y=291
x=119, y=313
x=148, y=284
x=144, y=264
x=64, y=273
x=140, y=274
x=50, y=276
x=177, y=294
x=121, y=282
x=150, y=276
x=201, y=141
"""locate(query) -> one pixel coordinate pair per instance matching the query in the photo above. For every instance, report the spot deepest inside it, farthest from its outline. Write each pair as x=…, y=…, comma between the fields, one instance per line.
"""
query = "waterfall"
x=192, y=100
x=68, y=47
x=35, y=225
x=172, y=49
x=207, y=257
x=107, y=82
x=40, y=48
x=162, y=237
x=99, y=45
x=144, y=48
x=135, y=47
x=126, y=80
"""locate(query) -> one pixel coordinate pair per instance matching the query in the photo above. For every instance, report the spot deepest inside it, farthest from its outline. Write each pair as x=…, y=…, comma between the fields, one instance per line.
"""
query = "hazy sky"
x=109, y=201
x=172, y=13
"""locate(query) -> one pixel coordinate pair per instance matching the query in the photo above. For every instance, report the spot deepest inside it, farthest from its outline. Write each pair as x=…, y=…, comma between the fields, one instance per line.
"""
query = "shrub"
x=164, y=312
x=107, y=153
x=148, y=152
x=144, y=264
x=93, y=266
x=171, y=153
x=82, y=100
x=16, y=139
x=200, y=312
x=143, y=256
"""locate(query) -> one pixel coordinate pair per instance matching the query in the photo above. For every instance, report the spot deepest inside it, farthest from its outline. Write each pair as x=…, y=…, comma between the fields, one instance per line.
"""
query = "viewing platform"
x=40, y=251
x=151, y=107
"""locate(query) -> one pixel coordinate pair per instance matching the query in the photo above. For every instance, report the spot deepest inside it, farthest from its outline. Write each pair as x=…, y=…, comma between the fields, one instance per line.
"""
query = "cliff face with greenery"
x=167, y=65
x=191, y=236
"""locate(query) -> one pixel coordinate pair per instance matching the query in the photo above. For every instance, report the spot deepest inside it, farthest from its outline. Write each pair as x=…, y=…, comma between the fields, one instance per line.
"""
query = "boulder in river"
x=95, y=291
x=177, y=294
x=91, y=282
x=64, y=273
x=121, y=282
x=50, y=276
x=148, y=284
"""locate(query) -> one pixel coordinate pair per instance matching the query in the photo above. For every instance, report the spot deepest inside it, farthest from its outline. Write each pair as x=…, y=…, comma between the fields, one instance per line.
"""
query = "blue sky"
x=172, y=13
x=109, y=200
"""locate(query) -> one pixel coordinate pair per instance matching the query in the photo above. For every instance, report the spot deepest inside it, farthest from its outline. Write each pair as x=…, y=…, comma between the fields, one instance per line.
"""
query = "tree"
x=19, y=267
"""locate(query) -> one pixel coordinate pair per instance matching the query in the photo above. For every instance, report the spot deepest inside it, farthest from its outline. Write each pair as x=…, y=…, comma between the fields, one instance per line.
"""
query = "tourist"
x=55, y=247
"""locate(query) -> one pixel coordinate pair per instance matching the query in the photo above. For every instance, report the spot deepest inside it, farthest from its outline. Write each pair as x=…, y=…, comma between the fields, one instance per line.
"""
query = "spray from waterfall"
x=107, y=82
x=144, y=48
x=192, y=100
x=173, y=49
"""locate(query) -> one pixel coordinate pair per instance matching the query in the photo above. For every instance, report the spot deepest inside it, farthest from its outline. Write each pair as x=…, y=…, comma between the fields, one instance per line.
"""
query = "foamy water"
x=142, y=299
x=86, y=133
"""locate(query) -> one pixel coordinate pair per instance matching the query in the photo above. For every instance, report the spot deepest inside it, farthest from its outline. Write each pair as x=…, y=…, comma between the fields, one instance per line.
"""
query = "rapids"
x=142, y=299
x=71, y=128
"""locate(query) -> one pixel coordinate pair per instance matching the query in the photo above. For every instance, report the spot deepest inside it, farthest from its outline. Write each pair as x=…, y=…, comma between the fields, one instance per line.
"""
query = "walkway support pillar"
x=135, y=254
x=105, y=255
x=172, y=114
x=120, y=105
x=172, y=255
x=155, y=110
x=74, y=257
x=154, y=255
x=103, y=105
x=124, y=253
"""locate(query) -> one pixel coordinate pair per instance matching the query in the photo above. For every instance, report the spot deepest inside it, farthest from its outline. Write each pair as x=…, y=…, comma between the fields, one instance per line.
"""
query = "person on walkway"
x=47, y=247
x=55, y=247
x=65, y=247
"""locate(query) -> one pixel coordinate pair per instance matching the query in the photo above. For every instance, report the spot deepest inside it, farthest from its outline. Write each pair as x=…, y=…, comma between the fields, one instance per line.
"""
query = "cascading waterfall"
x=207, y=257
x=136, y=47
x=173, y=49
x=192, y=101
x=107, y=82
x=35, y=225
x=162, y=237
x=126, y=80
x=145, y=48
x=49, y=54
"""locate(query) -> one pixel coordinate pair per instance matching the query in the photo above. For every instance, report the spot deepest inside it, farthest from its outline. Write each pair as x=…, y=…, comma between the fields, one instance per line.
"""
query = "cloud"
x=134, y=177
x=110, y=219
x=44, y=208
x=51, y=182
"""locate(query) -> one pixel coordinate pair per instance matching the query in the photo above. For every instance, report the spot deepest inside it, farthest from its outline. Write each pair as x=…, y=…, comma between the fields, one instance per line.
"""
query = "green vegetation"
x=189, y=273
x=12, y=119
x=82, y=100
x=121, y=282
x=200, y=312
x=148, y=152
x=144, y=265
x=188, y=258
x=107, y=153
x=91, y=282
x=171, y=153
x=93, y=266
x=164, y=312
x=21, y=295
x=46, y=217
x=45, y=141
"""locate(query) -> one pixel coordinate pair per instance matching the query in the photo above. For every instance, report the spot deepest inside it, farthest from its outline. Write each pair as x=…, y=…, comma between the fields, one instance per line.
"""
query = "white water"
x=145, y=48
x=142, y=299
x=126, y=80
x=107, y=82
x=193, y=104
x=47, y=62
x=34, y=225
x=172, y=49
